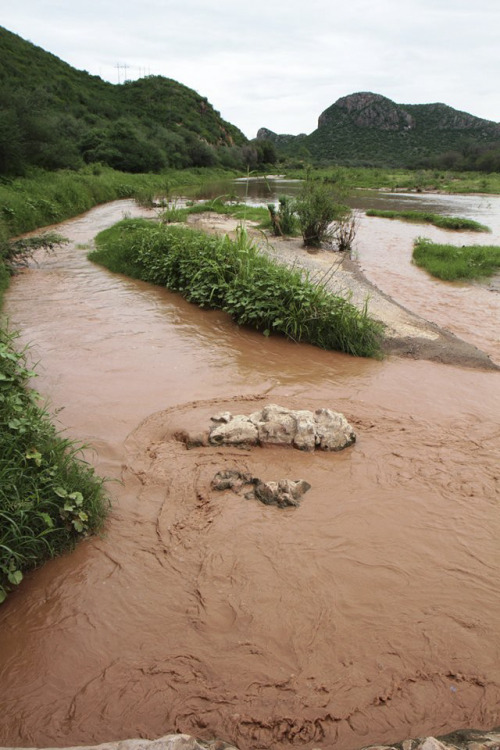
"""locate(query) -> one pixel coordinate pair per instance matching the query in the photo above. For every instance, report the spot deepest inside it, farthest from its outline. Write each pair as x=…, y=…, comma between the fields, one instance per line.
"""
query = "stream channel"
x=368, y=614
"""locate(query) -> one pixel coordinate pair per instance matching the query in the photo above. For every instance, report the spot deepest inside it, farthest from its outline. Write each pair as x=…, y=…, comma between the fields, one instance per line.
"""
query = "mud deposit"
x=368, y=614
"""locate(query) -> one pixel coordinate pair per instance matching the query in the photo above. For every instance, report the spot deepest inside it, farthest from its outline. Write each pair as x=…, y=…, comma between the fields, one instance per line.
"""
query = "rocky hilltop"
x=367, y=128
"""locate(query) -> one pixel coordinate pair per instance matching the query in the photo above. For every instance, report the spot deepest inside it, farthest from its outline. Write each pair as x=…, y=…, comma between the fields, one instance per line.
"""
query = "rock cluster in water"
x=275, y=425
x=283, y=493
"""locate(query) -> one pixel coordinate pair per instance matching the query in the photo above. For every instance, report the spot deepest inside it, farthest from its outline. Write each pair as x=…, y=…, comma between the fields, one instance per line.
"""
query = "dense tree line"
x=53, y=116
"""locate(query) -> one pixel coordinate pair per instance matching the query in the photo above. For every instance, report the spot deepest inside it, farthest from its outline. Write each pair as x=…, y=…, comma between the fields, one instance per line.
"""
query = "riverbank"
x=406, y=334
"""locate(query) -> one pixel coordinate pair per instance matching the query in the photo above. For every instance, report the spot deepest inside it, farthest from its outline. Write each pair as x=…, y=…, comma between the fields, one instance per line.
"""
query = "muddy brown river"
x=369, y=614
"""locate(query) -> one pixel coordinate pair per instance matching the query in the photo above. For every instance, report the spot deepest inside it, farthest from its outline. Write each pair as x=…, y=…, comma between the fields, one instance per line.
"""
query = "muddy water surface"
x=470, y=310
x=369, y=614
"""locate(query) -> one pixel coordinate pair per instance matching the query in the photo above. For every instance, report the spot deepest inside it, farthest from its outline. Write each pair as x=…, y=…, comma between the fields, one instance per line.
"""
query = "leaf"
x=77, y=497
x=68, y=506
x=35, y=455
x=60, y=492
x=47, y=519
x=78, y=525
x=3, y=595
x=15, y=577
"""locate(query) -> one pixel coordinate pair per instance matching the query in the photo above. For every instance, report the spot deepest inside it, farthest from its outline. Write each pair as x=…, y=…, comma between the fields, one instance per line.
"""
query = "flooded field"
x=368, y=614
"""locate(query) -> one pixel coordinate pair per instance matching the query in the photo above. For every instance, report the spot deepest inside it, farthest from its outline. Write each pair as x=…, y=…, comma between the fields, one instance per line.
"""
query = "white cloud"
x=280, y=65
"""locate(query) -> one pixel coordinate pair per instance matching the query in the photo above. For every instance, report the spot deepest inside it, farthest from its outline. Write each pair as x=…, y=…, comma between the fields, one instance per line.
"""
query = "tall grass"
x=456, y=223
x=235, y=277
x=449, y=262
x=48, y=197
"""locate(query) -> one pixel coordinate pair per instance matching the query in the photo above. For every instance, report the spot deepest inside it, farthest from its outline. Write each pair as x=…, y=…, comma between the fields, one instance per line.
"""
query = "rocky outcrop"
x=283, y=493
x=369, y=110
x=275, y=425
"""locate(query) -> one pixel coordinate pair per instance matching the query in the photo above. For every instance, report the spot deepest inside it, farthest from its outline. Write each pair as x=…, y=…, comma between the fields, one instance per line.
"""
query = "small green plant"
x=452, y=262
x=283, y=219
x=173, y=214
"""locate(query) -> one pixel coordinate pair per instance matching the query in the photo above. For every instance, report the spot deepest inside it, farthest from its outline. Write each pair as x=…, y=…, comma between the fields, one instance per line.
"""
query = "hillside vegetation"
x=53, y=116
x=367, y=129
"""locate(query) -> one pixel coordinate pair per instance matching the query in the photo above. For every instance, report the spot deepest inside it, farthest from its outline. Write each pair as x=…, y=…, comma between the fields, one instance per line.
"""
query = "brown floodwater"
x=368, y=614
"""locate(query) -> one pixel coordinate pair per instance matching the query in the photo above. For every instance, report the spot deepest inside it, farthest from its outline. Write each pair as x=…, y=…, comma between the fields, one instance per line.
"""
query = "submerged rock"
x=283, y=493
x=236, y=431
x=275, y=425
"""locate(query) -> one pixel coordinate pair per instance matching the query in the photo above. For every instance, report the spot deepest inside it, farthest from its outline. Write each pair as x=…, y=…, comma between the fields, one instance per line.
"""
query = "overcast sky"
x=280, y=64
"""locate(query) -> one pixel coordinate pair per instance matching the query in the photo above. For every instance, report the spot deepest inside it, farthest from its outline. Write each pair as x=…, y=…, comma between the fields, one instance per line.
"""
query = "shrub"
x=316, y=208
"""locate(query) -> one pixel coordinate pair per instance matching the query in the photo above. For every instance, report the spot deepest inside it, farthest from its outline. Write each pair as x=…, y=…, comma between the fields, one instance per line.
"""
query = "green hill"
x=370, y=130
x=54, y=116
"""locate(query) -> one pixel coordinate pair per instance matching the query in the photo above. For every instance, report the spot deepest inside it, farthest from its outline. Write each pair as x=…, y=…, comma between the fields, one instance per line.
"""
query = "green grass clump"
x=449, y=262
x=49, y=498
x=235, y=277
x=456, y=223
x=240, y=211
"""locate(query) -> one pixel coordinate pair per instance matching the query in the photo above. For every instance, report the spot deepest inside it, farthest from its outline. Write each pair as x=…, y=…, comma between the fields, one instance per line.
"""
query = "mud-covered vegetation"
x=456, y=223
x=233, y=276
x=452, y=262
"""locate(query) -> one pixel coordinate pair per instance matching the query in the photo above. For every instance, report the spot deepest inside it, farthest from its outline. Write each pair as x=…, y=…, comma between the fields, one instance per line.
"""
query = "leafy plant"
x=283, y=219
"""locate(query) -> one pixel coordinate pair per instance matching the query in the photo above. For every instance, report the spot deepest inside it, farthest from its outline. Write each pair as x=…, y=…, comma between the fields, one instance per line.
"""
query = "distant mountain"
x=370, y=129
x=53, y=116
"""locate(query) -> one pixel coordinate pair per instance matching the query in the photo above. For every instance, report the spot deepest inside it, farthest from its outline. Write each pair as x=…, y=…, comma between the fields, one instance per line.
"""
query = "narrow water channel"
x=368, y=614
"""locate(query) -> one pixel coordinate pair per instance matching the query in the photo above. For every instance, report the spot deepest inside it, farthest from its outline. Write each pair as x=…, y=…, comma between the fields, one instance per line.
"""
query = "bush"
x=317, y=208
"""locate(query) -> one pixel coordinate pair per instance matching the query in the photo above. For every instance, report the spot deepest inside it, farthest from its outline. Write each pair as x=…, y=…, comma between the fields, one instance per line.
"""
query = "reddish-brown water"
x=369, y=614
